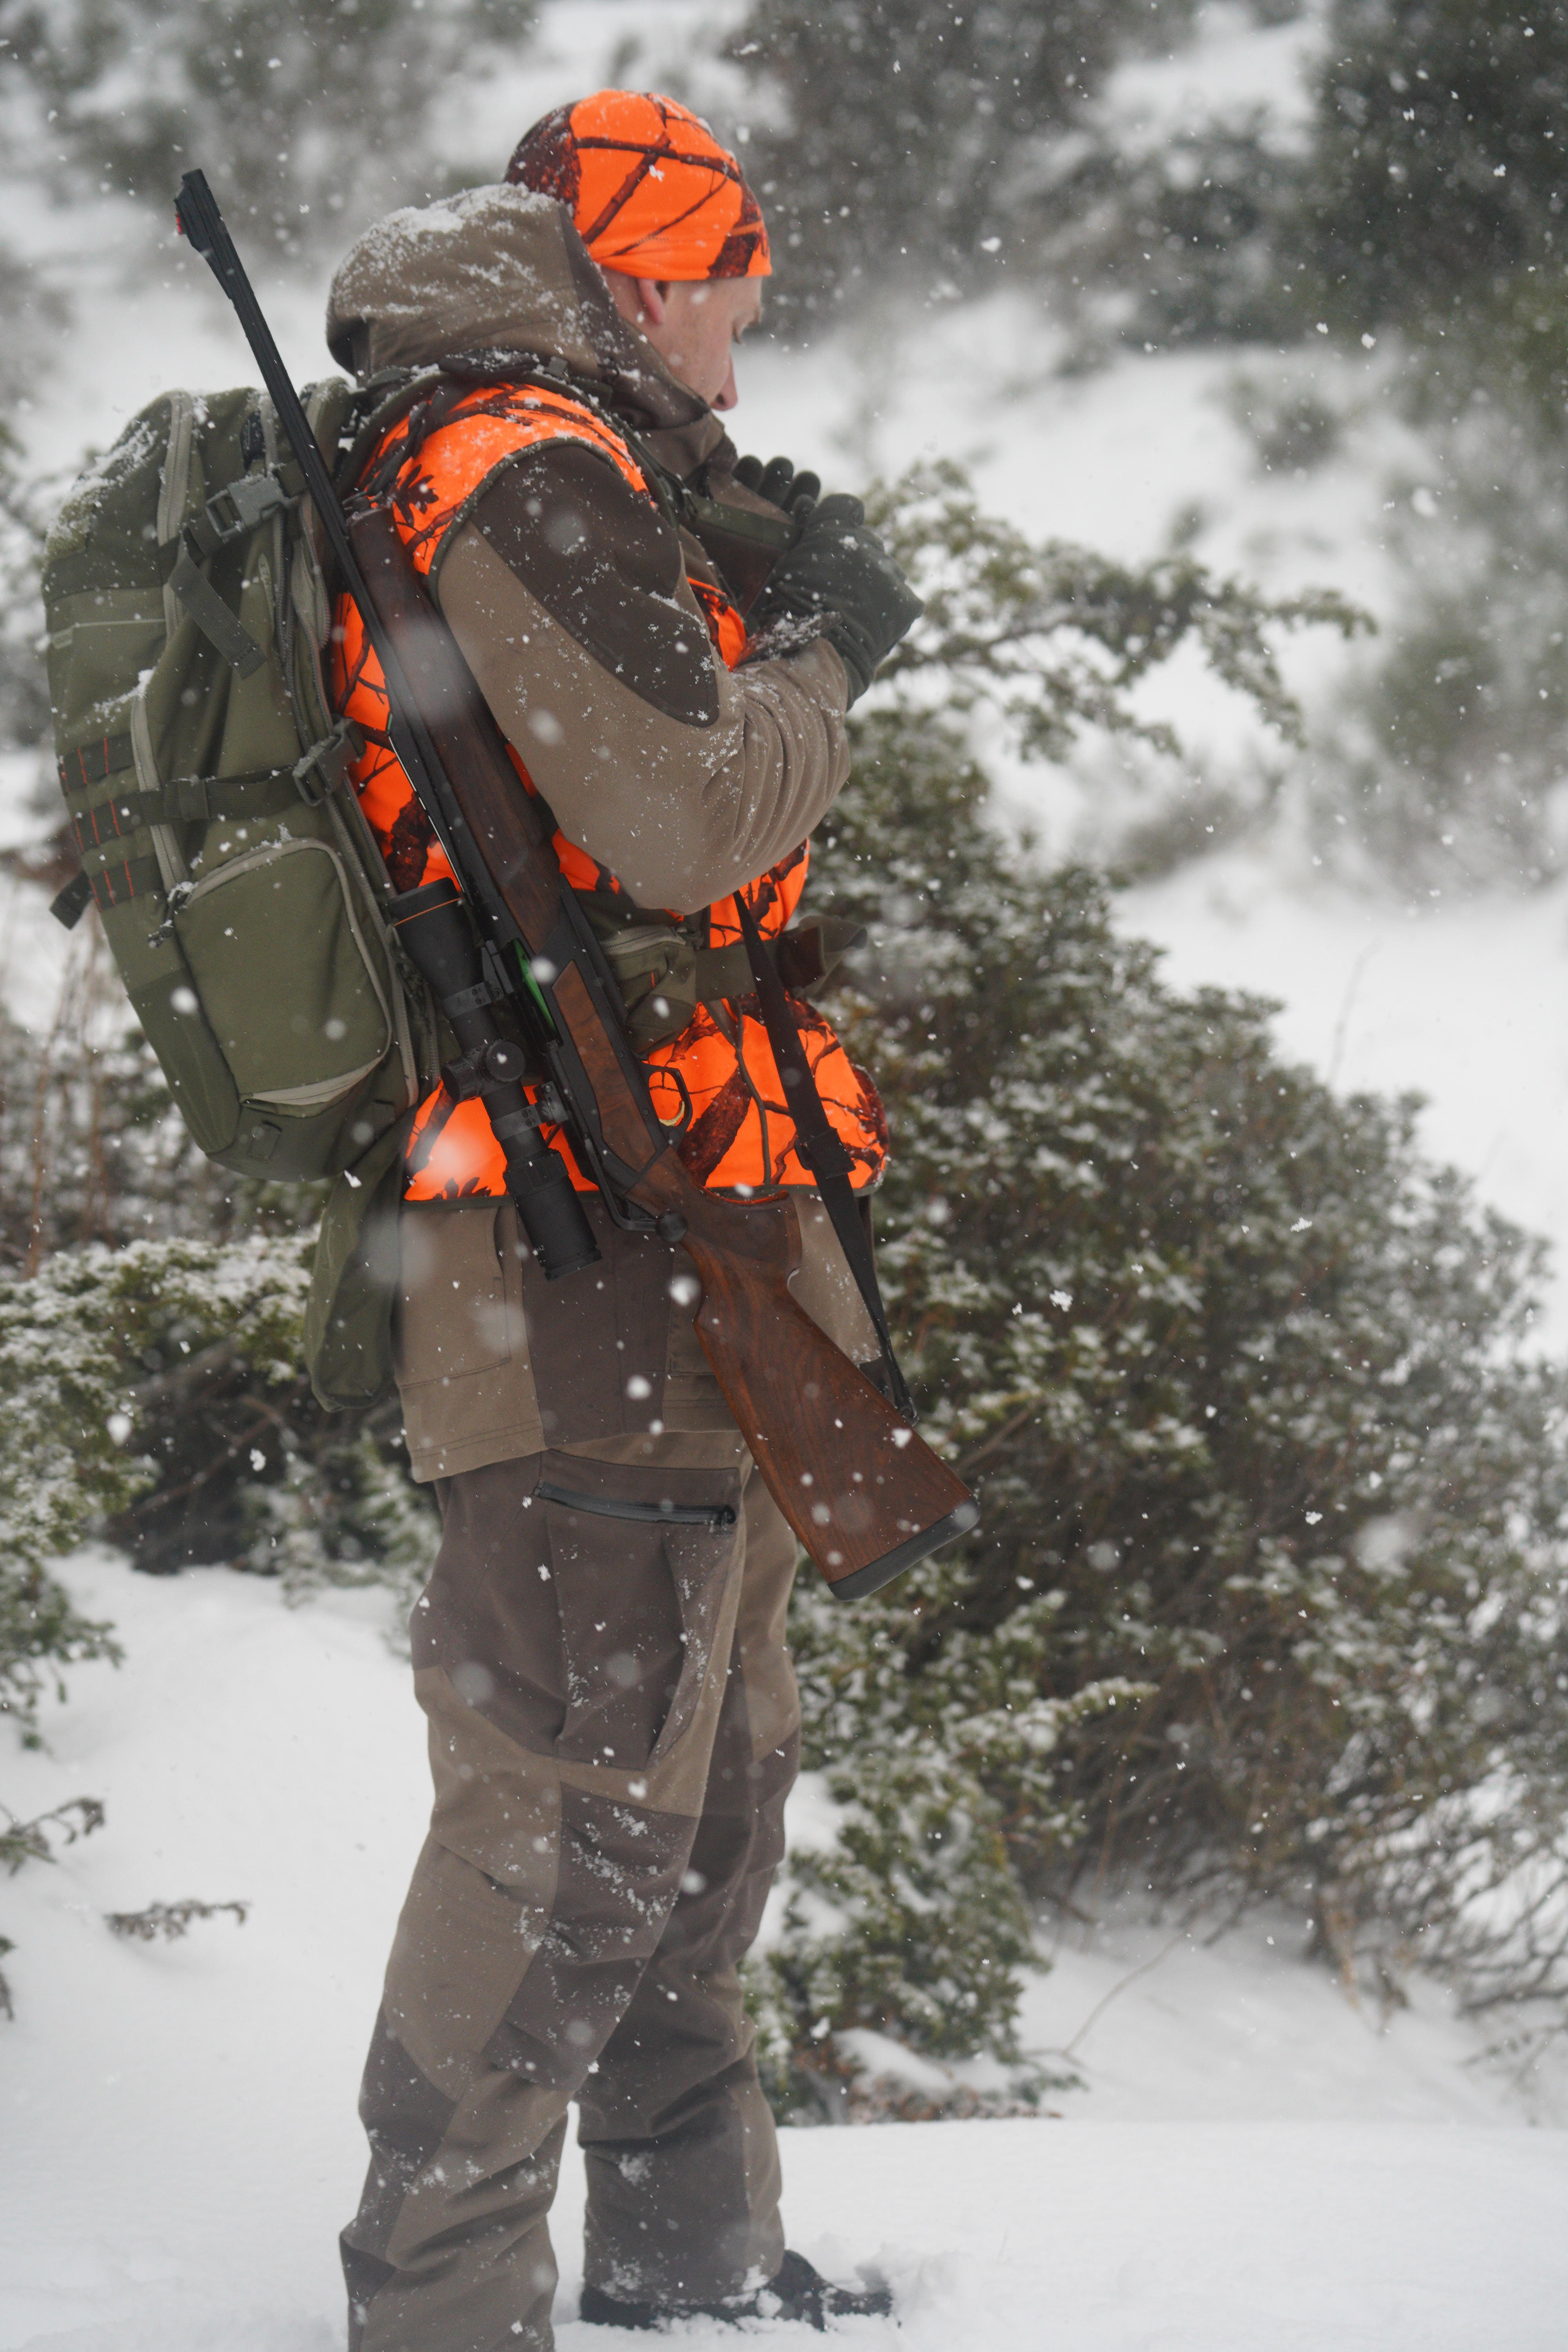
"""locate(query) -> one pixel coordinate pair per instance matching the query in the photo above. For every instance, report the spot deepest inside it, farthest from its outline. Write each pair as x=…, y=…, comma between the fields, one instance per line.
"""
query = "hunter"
x=600, y=1651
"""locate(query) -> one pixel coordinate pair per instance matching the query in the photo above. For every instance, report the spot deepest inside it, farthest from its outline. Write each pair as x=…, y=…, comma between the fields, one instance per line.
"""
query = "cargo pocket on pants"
x=639, y=1580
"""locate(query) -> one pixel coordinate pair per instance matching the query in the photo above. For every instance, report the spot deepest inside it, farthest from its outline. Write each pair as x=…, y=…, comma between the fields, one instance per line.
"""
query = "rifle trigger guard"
x=675, y=1128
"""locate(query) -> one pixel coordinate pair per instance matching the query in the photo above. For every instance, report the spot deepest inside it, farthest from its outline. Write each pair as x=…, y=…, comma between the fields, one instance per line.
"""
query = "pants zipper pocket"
x=664, y=1514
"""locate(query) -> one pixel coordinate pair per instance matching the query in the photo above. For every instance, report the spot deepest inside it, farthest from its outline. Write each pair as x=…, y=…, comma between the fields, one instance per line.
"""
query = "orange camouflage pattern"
x=719, y=1075
x=651, y=191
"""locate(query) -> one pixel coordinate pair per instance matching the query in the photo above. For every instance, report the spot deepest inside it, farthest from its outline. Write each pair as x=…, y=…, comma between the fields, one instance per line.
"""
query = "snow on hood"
x=493, y=269
x=502, y=270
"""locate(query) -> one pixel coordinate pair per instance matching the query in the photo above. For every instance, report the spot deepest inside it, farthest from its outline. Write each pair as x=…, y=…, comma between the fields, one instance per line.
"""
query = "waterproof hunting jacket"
x=526, y=483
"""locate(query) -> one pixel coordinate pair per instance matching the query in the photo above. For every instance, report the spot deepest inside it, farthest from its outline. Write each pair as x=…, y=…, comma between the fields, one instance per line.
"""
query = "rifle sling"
x=819, y=1144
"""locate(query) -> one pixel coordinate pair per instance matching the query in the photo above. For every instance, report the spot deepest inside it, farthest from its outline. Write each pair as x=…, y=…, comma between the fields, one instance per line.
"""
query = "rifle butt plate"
x=877, y=1572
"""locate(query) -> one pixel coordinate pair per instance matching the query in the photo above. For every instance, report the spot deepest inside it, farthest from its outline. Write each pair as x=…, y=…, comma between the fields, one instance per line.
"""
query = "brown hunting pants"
x=614, y=1727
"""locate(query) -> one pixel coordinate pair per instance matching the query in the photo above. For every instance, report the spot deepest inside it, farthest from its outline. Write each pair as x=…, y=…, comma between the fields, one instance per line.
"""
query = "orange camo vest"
x=740, y=1133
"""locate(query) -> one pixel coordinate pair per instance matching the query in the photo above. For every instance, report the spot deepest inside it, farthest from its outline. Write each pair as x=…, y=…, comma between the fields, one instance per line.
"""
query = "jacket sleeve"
x=567, y=591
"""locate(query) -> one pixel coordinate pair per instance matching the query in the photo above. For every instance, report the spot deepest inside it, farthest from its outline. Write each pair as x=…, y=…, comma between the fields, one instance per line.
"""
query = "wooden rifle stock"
x=866, y=1496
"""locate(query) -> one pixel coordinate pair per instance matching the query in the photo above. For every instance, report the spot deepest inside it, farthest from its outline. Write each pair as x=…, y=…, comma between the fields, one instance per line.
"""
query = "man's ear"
x=651, y=294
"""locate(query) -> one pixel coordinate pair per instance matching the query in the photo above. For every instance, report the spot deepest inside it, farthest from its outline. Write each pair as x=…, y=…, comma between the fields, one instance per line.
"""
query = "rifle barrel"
x=204, y=227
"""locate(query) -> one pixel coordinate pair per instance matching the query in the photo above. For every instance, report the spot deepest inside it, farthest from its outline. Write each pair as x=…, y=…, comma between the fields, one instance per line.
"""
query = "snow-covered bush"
x=1269, y=1597
x=23, y=692
x=901, y=137
x=41, y=1632
x=1446, y=761
x=154, y=1393
x=91, y=1148
x=1158, y=236
x=250, y=1471
x=1394, y=165
x=150, y=1388
x=295, y=112
x=36, y=1841
x=913, y=1920
x=1265, y=1457
x=1057, y=639
x=1435, y=192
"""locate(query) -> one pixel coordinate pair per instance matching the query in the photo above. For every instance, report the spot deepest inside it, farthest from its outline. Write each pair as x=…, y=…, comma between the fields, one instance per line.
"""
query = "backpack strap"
x=190, y=799
x=212, y=615
x=196, y=800
x=234, y=512
x=69, y=905
x=104, y=828
x=663, y=977
x=109, y=881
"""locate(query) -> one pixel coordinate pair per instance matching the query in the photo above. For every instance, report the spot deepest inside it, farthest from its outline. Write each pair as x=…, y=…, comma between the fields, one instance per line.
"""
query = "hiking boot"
x=797, y=2292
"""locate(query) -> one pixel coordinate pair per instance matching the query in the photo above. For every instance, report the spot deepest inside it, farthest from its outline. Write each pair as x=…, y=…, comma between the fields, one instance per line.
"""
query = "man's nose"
x=726, y=397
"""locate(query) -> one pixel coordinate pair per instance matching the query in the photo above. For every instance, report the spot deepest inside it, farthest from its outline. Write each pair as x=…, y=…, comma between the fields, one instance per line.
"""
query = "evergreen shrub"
x=1445, y=759
x=1268, y=1598
x=299, y=113
x=1436, y=189
x=155, y=1393
x=24, y=691
x=901, y=136
x=151, y=1386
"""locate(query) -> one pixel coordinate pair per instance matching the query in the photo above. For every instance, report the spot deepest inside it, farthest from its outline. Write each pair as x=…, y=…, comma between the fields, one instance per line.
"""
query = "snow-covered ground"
x=1252, y=2159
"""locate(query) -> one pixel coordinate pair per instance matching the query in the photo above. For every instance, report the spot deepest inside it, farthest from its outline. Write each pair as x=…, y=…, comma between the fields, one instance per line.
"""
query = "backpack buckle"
x=249, y=501
x=321, y=772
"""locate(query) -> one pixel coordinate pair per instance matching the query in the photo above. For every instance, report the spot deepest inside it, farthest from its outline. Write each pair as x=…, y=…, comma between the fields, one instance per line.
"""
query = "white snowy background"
x=1250, y=2158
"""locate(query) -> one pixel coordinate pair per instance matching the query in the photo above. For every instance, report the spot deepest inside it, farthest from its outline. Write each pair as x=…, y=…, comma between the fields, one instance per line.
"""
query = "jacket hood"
x=500, y=273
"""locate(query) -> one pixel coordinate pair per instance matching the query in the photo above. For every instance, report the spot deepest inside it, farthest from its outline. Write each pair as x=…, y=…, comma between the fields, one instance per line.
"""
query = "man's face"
x=694, y=328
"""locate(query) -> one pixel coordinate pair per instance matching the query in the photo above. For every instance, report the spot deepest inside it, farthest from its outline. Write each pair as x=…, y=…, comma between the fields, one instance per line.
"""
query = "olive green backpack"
x=241, y=892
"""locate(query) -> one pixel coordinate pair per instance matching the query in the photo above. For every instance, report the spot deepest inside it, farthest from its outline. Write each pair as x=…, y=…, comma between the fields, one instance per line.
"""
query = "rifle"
x=865, y=1496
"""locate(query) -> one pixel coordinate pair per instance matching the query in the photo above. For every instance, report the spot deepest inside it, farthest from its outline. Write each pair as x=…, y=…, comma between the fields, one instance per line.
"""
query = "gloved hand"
x=839, y=569
x=778, y=482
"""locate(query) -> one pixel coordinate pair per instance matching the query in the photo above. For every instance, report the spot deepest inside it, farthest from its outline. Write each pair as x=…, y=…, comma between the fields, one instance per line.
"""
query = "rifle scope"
x=433, y=926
